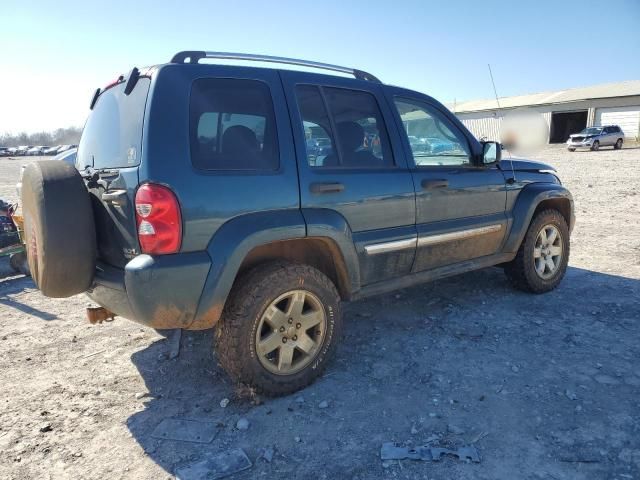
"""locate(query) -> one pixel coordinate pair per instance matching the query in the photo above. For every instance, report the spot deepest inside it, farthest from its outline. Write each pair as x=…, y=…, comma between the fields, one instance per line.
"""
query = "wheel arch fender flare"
x=229, y=247
x=326, y=223
x=238, y=237
x=530, y=198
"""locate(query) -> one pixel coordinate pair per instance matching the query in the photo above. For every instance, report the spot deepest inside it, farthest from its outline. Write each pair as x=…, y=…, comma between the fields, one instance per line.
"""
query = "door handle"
x=117, y=197
x=328, y=187
x=438, y=183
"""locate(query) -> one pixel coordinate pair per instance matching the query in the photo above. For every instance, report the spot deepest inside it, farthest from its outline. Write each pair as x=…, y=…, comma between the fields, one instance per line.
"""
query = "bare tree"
x=61, y=136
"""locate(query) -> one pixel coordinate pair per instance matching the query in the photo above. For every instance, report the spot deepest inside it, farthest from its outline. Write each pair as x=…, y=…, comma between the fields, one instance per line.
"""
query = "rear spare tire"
x=59, y=229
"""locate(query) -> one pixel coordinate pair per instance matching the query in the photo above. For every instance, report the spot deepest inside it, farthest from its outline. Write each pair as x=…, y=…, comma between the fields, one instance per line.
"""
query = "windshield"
x=591, y=131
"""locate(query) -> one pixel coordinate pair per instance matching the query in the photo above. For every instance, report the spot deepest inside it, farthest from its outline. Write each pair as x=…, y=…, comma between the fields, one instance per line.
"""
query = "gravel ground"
x=545, y=387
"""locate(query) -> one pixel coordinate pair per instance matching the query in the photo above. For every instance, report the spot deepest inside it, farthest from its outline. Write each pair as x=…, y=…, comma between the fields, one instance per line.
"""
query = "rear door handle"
x=117, y=197
x=319, y=187
x=438, y=183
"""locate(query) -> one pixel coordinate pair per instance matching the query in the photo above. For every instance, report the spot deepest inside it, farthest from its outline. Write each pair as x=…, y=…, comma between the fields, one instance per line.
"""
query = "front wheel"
x=571, y=149
x=279, y=327
x=596, y=146
x=541, y=261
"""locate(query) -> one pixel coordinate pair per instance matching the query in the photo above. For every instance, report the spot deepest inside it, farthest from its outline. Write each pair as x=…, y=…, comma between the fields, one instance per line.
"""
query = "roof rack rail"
x=195, y=56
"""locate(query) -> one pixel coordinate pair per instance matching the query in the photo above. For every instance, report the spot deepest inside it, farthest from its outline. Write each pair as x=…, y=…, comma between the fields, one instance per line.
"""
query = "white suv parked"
x=596, y=137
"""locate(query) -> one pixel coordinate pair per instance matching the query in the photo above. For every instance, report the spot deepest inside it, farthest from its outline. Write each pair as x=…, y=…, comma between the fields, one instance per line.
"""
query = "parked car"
x=12, y=151
x=596, y=137
x=23, y=149
x=222, y=220
x=50, y=151
x=4, y=152
x=64, y=148
x=35, y=151
x=318, y=149
x=68, y=157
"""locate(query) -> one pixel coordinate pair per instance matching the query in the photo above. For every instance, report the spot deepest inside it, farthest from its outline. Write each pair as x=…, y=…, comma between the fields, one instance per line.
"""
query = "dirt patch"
x=545, y=387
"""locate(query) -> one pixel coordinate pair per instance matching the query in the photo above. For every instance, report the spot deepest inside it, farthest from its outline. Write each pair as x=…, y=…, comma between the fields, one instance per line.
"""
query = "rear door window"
x=112, y=136
x=232, y=125
x=346, y=131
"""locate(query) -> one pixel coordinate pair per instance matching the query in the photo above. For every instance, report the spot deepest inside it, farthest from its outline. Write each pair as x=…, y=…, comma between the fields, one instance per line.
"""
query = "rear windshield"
x=112, y=135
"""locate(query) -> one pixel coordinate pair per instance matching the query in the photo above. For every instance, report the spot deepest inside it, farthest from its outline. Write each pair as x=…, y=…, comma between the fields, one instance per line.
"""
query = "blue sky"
x=55, y=53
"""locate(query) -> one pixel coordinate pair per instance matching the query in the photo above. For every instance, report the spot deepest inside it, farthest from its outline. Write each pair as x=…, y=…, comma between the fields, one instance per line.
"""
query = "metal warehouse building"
x=565, y=111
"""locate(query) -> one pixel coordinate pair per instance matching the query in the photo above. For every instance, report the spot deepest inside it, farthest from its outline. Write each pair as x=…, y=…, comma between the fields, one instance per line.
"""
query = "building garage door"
x=564, y=124
x=627, y=118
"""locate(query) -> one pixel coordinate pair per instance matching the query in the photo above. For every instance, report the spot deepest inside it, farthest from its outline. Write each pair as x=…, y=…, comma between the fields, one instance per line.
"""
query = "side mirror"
x=491, y=152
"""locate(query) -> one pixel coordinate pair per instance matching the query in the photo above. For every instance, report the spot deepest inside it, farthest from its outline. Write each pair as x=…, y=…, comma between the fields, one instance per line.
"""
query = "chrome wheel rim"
x=290, y=332
x=547, y=252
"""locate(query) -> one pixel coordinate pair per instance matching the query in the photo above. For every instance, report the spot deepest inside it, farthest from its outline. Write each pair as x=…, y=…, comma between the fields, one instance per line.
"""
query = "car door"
x=460, y=203
x=610, y=135
x=351, y=164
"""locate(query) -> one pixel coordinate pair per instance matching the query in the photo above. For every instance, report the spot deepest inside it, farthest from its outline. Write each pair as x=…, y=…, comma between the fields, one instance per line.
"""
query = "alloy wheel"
x=547, y=252
x=291, y=332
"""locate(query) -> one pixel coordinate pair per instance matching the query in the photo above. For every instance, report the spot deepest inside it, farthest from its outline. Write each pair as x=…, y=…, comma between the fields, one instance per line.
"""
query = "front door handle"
x=438, y=183
x=328, y=187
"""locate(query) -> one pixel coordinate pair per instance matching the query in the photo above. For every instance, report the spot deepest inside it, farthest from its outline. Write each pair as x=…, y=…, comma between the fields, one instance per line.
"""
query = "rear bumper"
x=159, y=292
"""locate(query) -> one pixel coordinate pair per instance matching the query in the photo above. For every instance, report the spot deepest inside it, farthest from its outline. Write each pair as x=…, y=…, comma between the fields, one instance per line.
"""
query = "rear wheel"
x=596, y=146
x=618, y=144
x=279, y=327
x=541, y=261
x=571, y=149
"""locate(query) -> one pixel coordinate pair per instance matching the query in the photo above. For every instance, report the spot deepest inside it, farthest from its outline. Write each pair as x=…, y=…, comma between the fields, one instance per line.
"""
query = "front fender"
x=228, y=248
x=525, y=206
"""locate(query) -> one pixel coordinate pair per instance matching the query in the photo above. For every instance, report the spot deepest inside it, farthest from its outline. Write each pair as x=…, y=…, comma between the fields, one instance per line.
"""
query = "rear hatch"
x=108, y=158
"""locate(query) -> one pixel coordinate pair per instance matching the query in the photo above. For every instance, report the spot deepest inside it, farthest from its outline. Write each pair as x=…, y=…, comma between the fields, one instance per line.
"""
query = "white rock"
x=242, y=424
x=224, y=402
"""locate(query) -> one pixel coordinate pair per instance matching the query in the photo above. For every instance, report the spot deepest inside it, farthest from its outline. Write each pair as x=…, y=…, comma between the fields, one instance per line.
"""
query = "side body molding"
x=228, y=248
x=525, y=205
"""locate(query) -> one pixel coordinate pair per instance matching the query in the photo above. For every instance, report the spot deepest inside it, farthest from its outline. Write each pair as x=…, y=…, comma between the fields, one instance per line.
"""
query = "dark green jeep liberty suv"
x=255, y=200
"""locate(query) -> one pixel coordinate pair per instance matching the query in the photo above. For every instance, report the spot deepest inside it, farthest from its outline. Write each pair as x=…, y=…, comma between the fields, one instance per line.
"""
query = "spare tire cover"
x=59, y=228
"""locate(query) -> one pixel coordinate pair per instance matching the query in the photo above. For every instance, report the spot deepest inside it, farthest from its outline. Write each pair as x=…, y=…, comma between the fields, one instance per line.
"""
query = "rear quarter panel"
x=209, y=199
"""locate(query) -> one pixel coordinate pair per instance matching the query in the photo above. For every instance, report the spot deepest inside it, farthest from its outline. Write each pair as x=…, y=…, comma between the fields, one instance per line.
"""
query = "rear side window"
x=347, y=131
x=232, y=125
x=112, y=136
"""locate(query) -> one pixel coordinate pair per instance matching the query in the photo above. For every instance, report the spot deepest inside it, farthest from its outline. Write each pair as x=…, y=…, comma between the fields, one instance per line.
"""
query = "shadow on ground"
x=468, y=351
x=11, y=286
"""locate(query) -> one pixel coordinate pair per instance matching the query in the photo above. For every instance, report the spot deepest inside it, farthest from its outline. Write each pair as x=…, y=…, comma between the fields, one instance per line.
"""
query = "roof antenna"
x=495, y=92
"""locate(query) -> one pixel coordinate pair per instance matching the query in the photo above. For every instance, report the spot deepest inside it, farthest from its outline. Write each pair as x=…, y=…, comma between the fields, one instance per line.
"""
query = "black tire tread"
x=250, y=291
x=520, y=272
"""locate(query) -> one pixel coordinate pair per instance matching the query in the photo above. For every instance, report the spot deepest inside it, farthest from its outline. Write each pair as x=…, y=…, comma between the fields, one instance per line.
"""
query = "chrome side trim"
x=459, y=235
x=386, y=247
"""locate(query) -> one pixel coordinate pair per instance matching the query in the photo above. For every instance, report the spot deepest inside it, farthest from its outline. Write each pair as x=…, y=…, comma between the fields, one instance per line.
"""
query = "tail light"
x=158, y=219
